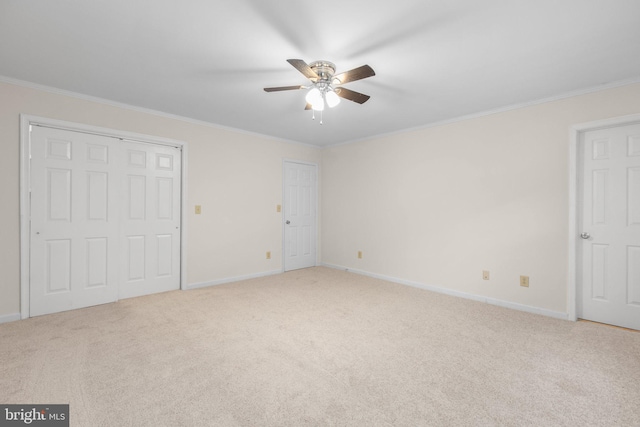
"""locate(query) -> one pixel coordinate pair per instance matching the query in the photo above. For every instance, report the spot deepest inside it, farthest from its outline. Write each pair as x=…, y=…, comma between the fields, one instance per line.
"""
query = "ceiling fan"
x=326, y=86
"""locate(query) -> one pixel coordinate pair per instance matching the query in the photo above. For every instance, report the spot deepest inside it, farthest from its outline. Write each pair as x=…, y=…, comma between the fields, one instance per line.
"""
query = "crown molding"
x=104, y=101
x=564, y=95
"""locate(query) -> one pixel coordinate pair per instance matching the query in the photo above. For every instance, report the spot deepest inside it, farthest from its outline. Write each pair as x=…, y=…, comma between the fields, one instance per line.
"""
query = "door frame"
x=284, y=208
x=576, y=133
x=26, y=121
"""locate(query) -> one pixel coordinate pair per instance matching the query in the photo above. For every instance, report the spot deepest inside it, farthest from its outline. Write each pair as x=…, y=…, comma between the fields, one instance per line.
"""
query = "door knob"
x=585, y=235
x=287, y=222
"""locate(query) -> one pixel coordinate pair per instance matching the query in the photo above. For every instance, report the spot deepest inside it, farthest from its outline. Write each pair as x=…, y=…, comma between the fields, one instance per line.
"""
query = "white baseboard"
x=232, y=279
x=442, y=290
x=10, y=317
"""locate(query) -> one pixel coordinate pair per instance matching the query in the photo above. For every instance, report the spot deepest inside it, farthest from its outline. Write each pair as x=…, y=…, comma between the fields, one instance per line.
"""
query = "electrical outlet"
x=268, y=254
x=485, y=274
x=198, y=209
x=359, y=254
x=524, y=281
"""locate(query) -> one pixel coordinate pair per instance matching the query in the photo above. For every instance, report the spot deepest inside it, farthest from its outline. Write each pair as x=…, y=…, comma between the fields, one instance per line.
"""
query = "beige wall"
x=434, y=206
x=437, y=206
x=236, y=177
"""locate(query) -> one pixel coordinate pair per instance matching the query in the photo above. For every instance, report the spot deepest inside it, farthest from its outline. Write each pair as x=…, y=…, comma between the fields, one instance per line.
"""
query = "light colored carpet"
x=320, y=347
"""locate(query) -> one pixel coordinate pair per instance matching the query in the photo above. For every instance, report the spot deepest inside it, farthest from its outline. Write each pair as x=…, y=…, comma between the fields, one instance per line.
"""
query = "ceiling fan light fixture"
x=314, y=96
x=332, y=99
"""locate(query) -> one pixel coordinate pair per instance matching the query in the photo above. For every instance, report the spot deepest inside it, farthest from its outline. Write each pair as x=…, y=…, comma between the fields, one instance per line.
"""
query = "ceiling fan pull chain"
x=321, y=116
x=313, y=115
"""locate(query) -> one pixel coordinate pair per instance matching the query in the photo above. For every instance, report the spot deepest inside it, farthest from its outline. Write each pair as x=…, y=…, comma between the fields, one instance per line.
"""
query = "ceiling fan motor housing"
x=324, y=69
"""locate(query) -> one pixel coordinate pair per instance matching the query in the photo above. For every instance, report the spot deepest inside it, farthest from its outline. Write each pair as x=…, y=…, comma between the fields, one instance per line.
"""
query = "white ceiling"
x=209, y=59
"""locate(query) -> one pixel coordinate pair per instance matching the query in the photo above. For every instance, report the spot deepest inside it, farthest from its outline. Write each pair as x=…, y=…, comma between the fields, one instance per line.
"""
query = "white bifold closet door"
x=105, y=219
x=74, y=221
x=150, y=220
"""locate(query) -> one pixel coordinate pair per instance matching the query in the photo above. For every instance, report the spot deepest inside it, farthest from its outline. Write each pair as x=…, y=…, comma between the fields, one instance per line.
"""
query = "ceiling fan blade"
x=308, y=106
x=351, y=95
x=356, y=74
x=277, y=89
x=304, y=68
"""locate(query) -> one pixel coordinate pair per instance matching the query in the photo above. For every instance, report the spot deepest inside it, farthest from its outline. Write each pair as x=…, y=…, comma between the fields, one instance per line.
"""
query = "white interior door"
x=610, y=273
x=74, y=220
x=300, y=210
x=150, y=220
